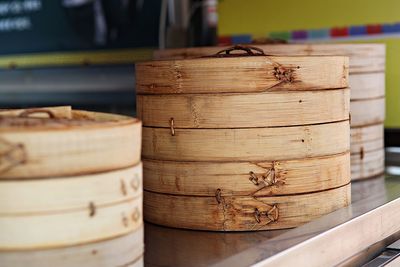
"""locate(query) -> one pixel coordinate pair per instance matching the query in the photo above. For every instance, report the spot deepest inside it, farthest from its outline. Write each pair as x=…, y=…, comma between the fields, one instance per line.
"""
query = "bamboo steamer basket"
x=368, y=111
x=226, y=111
x=367, y=78
x=367, y=138
x=214, y=132
x=368, y=164
x=242, y=212
x=207, y=178
x=87, y=142
x=72, y=227
x=64, y=194
x=246, y=144
x=126, y=250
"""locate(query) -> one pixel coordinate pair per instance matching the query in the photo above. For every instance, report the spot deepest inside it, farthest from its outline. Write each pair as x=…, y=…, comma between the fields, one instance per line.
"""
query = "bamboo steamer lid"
x=63, y=194
x=239, y=74
x=363, y=57
x=120, y=251
x=44, y=230
x=247, y=178
x=84, y=142
x=242, y=213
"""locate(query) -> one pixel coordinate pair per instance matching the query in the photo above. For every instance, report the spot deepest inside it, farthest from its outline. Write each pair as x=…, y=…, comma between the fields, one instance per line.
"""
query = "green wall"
x=260, y=17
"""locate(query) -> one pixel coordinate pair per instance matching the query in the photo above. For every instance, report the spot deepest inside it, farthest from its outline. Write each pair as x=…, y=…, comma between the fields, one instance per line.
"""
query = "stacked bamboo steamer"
x=367, y=83
x=244, y=142
x=70, y=188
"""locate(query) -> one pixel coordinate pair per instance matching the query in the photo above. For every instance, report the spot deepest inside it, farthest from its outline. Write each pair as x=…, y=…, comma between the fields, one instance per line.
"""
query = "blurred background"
x=82, y=52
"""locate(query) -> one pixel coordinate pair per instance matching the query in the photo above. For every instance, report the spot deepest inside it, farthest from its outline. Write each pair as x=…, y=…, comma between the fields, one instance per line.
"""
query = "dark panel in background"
x=28, y=26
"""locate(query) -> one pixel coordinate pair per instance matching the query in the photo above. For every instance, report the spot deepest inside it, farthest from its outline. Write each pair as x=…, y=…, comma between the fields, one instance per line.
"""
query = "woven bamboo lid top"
x=241, y=69
x=363, y=57
x=58, y=118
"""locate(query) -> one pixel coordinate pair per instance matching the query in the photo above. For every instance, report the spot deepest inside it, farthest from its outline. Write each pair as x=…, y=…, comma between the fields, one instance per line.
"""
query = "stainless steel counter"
x=347, y=237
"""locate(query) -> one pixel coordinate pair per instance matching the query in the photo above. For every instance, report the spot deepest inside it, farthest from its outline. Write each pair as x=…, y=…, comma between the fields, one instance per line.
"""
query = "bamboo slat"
x=368, y=164
x=367, y=138
x=367, y=112
x=89, y=142
x=244, y=110
x=248, y=144
x=242, y=213
x=57, y=229
x=120, y=251
x=247, y=178
x=363, y=57
x=64, y=194
x=241, y=74
x=367, y=85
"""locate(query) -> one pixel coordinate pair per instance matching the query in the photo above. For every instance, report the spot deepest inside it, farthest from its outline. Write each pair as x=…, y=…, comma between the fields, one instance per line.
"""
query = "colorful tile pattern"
x=375, y=30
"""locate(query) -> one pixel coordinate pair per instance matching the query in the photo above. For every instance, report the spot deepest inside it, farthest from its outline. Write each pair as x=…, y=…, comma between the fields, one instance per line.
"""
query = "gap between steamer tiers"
x=257, y=127
x=250, y=195
x=69, y=210
x=269, y=89
x=247, y=161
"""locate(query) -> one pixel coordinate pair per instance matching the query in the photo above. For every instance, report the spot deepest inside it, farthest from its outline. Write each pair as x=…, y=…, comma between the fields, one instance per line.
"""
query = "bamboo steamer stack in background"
x=244, y=142
x=70, y=188
x=367, y=84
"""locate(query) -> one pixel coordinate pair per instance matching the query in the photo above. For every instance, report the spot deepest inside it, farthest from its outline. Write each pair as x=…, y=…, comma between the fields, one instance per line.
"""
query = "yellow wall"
x=260, y=17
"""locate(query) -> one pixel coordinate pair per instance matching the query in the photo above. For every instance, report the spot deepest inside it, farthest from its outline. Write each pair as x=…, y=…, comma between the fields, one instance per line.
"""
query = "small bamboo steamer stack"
x=70, y=188
x=367, y=83
x=244, y=142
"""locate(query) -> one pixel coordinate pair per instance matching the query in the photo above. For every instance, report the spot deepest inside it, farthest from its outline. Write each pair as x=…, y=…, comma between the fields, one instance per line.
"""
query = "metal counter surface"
x=174, y=247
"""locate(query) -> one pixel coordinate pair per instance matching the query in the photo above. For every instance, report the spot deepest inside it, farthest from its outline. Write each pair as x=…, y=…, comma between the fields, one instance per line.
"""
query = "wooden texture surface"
x=252, y=144
x=240, y=213
x=367, y=112
x=368, y=164
x=241, y=74
x=120, y=251
x=90, y=142
x=367, y=85
x=234, y=178
x=57, y=229
x=367, y=138
x=363, y=57
x=244, y=110
x=64, y=194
